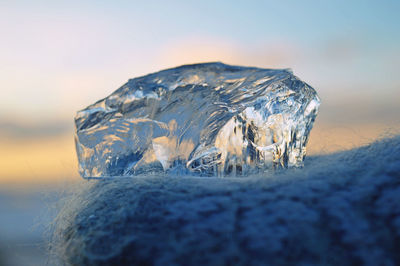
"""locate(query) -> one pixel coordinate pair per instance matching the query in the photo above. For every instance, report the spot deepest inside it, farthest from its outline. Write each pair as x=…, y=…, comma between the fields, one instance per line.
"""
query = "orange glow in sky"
x=57, y=57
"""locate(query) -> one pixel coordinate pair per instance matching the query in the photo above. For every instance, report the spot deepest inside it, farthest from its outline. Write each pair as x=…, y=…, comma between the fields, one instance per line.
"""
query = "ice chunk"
x=211, y=119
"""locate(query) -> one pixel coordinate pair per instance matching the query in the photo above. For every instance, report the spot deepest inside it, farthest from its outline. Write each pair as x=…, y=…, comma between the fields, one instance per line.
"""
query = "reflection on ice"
x=211, y=119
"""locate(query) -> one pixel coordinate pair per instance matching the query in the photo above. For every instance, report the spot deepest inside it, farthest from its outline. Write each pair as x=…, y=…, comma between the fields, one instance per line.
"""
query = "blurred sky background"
x=57, y=57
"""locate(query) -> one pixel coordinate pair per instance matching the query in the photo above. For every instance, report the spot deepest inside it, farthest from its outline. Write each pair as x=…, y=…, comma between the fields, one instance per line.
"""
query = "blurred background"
x=57, y=57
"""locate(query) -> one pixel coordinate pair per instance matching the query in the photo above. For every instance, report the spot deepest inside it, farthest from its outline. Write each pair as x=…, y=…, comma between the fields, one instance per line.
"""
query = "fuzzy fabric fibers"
x=340, y=209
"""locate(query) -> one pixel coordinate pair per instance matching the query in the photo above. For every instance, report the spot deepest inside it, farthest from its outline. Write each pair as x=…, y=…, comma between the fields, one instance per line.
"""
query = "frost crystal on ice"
x=212, y=119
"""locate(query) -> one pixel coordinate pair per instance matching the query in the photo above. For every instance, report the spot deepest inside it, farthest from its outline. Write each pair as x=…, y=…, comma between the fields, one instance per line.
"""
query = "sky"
x=57, y=57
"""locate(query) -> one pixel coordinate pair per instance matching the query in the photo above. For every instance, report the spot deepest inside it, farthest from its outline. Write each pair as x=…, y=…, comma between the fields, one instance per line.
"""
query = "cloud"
x=33, y=130
x=197, y=49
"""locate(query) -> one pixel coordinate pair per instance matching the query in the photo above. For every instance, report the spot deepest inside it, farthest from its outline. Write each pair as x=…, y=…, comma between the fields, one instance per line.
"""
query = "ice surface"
x=211, y=119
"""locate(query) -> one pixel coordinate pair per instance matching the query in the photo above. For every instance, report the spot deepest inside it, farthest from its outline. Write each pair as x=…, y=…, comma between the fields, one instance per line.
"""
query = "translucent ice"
x=211, y=119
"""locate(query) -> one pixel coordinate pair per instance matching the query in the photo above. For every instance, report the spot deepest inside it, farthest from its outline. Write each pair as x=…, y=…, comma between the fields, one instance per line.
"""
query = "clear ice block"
x=210, y=119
